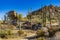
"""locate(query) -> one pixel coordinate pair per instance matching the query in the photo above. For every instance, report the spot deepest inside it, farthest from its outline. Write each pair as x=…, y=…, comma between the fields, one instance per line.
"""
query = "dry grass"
x=27, y=32
x=14, y=39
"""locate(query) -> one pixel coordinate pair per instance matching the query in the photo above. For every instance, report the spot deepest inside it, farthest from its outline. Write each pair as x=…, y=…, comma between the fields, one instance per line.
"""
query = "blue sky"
x=22, y=6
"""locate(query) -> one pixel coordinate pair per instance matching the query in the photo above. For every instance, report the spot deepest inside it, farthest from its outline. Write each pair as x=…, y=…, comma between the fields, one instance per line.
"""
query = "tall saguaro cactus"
x=58, y=16
x=44, y=19
x=5, y=18
x=29, y=11
x=50, y=18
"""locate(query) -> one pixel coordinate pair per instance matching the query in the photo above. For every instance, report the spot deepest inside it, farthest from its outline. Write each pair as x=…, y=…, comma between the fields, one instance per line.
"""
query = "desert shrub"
x=8, y=31
x=41, y=38
x=5, y=33
x=51, y=32
x=20, y=32
x=40, y=33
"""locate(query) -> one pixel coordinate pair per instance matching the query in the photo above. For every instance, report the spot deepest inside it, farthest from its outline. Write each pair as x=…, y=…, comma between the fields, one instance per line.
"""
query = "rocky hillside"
x=47, y=12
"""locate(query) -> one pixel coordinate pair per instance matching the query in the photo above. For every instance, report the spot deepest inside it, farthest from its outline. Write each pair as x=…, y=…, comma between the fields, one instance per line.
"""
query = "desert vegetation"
x=41, y=24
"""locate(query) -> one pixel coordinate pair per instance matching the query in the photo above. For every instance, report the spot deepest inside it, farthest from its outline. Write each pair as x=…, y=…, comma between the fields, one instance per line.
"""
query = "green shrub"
x=20, y=32
x=8, y=31
x=40, y=33
x=41, y=38
x=5, y=33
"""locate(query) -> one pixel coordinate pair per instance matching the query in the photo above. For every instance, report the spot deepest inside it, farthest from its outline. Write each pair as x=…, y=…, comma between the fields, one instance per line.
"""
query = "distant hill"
x=47, y=12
